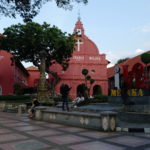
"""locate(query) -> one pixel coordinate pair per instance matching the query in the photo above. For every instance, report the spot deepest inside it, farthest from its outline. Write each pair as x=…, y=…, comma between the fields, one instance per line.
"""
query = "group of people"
x=64, y=91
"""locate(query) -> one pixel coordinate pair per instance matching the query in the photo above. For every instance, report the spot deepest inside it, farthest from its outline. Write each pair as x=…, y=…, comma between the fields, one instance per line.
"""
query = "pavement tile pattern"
x=22, y=133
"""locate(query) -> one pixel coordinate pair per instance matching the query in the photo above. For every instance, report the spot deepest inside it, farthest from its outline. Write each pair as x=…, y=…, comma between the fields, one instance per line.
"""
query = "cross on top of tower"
x=79, y=16
x=79, y=42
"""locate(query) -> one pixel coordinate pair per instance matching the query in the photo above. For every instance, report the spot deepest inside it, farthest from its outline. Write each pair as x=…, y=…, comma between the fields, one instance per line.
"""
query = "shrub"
x=15, y=98
x=57, y=98
x=101, y=97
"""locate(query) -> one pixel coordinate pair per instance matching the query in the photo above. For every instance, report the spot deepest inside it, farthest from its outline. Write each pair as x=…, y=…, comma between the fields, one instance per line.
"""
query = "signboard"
x=132, y=92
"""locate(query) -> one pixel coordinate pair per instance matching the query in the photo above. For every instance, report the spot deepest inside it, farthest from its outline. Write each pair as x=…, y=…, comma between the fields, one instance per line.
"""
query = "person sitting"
x=35, y=103
x=79, y=99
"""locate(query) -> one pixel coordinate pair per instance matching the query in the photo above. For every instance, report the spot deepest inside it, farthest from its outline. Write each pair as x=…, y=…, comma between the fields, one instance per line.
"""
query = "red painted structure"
x=131, y=69
x=11, y=72
x=137, y=74
x=86, y=55
x=34, y=75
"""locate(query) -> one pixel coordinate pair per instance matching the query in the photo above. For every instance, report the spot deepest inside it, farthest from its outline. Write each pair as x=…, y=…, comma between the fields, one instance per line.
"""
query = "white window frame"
x=79, y=31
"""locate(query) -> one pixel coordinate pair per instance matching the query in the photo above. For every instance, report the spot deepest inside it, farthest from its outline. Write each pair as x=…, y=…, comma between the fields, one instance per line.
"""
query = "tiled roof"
x=32, y=68
x=131, y=62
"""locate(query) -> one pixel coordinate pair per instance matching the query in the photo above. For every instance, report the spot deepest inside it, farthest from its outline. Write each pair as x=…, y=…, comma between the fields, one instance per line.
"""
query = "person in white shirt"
x=77, y=100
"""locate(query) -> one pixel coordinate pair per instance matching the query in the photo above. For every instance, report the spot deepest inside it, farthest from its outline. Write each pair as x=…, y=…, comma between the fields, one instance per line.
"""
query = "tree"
x=53, y=82
x=27, y=41
x=85, y=72
x=32, y=41
x=28, y=9
x=145, y=58
x=87, y=78
x=122, y=60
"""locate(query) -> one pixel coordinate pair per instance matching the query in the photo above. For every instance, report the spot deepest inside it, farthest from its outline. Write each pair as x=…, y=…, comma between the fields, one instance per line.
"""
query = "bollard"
x=39, y=113
x=19, y=110
x=3, y=106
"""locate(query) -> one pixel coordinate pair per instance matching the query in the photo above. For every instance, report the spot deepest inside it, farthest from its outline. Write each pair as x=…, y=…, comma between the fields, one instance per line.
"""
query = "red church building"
x=85, y=56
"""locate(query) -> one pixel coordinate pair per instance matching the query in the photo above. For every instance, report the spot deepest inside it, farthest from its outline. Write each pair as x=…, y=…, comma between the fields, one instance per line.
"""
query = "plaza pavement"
x=21, y=133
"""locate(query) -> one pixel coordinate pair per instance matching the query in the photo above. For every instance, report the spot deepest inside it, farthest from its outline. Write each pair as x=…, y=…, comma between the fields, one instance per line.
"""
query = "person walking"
x=64, y=90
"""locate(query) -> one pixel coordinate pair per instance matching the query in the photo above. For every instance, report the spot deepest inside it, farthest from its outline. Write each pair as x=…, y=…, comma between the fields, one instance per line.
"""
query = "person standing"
x=124, y=93
x=64, y=90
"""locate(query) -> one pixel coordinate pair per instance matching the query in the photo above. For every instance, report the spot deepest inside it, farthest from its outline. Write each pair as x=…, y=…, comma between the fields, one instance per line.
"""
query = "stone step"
x=98, y=108
x=101, y=104
x=137, y=108
x=136, y=100
x=134, y=117
x=106, y=104
x=59, y=104
x=132, y=127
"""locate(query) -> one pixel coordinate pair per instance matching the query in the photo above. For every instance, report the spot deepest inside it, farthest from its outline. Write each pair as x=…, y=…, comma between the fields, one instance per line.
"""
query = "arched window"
x=80, y=89
x=97, y=90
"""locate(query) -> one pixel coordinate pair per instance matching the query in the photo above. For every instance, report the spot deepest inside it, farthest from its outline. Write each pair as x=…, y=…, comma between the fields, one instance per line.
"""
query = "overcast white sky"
x=119, y=28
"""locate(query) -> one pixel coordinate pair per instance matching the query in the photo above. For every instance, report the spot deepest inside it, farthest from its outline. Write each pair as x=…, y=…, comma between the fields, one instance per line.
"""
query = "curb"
x=144, y=130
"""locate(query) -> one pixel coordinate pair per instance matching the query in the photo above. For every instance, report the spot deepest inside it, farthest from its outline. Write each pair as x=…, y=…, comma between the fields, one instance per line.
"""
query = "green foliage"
x=92, y=81
x=88, y=77
x=17, y=89
x=27, y=41
x=85, y=72
x=28, y=9
x=15, y=98
x=57, y=98
x=122, y=60
x=101, y=97
x=145, y=58
x=29, y=90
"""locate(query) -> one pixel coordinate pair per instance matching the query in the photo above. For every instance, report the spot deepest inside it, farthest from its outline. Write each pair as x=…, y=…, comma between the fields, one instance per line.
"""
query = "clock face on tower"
x=79, y=32
x=117, y=69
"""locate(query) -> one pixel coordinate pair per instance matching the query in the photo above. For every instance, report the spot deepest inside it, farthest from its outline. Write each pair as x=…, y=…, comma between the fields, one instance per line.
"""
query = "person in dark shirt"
x=124, y=93
x=35, y=103
x=64, y=90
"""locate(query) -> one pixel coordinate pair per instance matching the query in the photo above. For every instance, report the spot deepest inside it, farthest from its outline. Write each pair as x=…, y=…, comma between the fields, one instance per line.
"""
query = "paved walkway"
x=21, y=133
